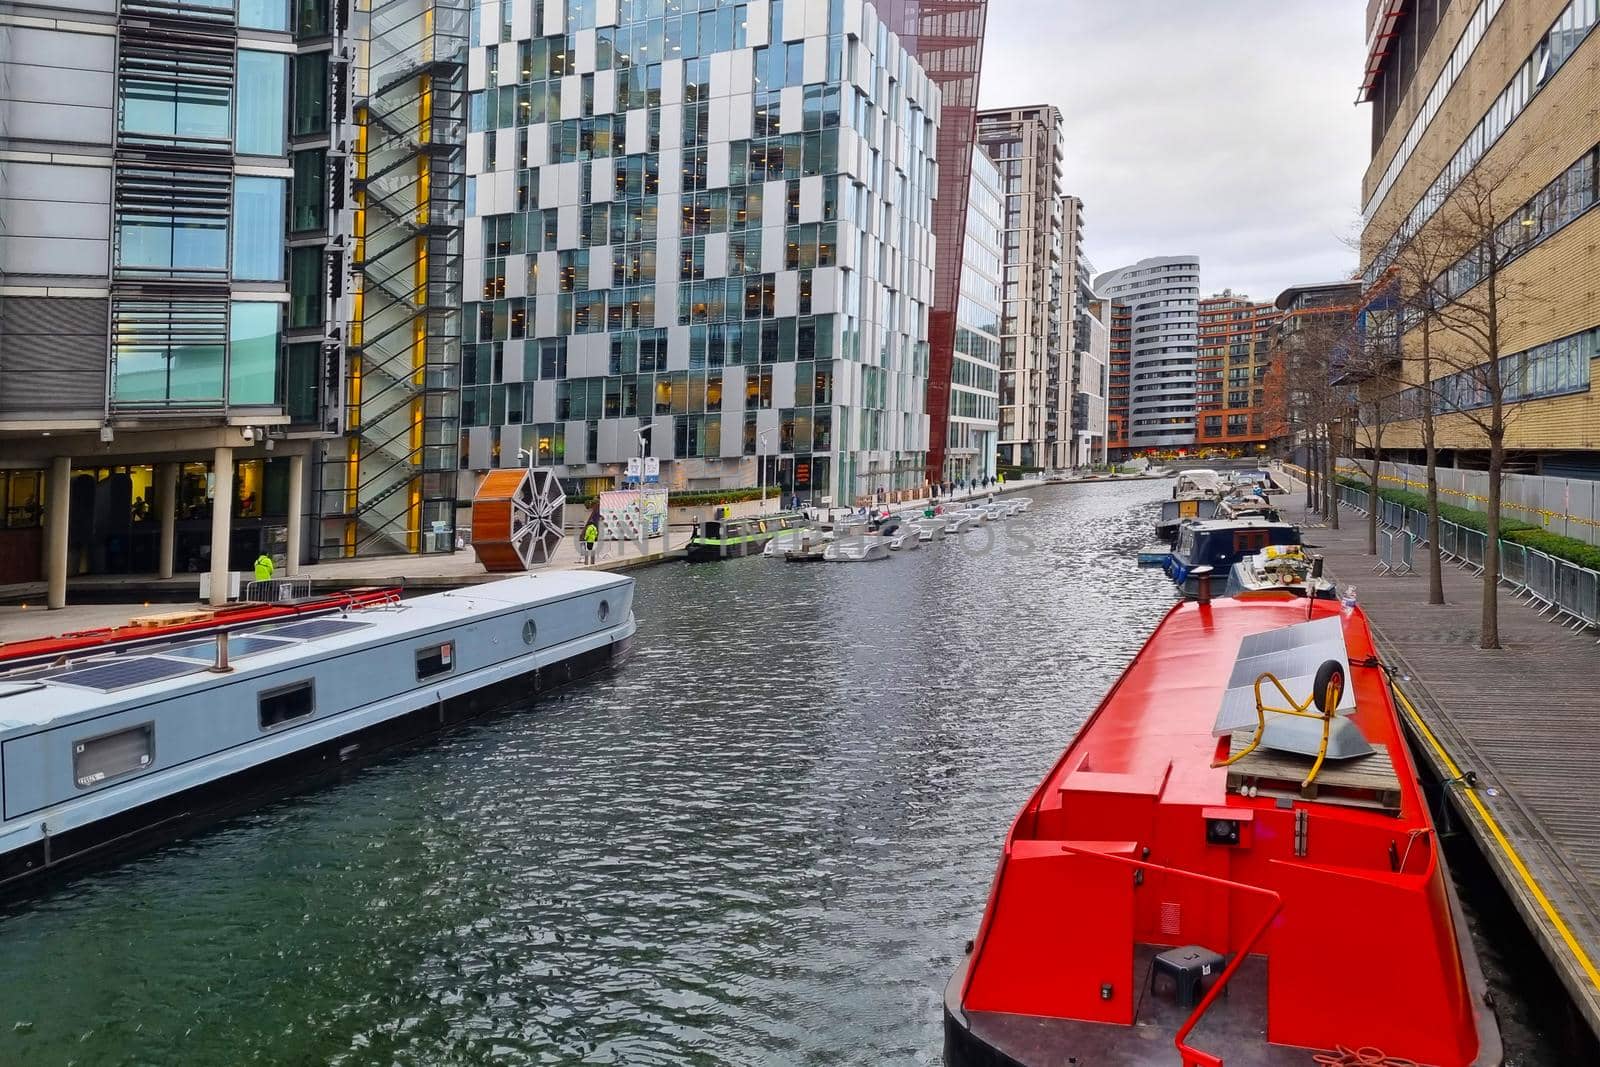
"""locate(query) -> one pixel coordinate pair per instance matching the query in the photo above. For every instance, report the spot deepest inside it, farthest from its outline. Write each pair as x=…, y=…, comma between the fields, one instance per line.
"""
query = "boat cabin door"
x=1249, y=542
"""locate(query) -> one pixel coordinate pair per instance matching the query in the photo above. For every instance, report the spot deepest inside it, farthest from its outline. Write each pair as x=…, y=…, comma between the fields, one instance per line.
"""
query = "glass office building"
x=974, y=417
x=703, y=231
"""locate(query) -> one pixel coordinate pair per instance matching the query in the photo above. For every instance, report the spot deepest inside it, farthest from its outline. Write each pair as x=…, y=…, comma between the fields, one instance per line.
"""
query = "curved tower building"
x=1162, y=297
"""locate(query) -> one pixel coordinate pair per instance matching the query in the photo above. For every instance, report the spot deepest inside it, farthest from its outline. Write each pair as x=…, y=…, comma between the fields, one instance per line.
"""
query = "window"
x=286, y=703
x=305, y=287
x=310, y=93
x=434, y=661
x=258, y=229
x=264, y=14
x=308, y=203
x=300, y=372
x=253, y=353
x=165, y=108
x=167, y=352
x=259, y=127
x=311, y=18
x=178, y=244
x=100, y=759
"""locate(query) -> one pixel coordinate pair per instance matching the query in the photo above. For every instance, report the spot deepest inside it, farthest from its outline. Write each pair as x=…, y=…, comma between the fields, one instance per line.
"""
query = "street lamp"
x=761, y=458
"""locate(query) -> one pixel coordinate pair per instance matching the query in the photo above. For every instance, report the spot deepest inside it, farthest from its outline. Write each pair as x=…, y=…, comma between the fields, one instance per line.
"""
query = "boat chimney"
x=1202, y=582
x=1311, y=585
x=221, y=665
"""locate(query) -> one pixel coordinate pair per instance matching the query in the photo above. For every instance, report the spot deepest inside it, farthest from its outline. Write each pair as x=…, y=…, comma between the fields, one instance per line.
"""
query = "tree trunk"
x=1311, y=471
x=1333, y=480
x=1490, y=625
x=1372, y=495
x=1431, y=447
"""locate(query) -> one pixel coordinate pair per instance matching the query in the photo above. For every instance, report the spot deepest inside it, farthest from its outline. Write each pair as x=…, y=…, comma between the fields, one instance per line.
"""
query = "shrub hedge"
x=698, y=497
x=1514, y=530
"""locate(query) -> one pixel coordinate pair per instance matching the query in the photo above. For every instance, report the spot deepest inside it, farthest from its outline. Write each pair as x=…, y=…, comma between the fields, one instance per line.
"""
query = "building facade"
x=946, y=38
x=1027, y=144
x=1231, y=368
x=1307, y=383
x=707, y=237
x=1091, y=343
x=1089, y=350
x=1504, y=93
x=171, y=293
x=974, y=381
x=1162, y=297
x=1119, y=323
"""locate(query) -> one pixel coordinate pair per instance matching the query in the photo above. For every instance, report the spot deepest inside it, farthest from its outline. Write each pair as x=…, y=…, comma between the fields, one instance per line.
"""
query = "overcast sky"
x=1219, y=127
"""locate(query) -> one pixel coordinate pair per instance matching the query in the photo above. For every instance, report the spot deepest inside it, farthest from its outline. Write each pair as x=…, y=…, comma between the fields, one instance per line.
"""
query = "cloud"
x=1218, y=127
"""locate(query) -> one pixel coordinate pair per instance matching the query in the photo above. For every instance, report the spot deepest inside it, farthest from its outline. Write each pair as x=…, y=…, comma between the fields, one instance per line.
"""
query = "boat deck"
x=1521, y=718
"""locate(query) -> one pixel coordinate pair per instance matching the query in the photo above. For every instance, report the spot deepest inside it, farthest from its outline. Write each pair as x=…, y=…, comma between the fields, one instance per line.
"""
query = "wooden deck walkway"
x=1525, y=719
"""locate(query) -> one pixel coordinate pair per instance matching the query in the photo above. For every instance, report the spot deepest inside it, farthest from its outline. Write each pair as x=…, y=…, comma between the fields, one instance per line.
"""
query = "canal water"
x=764, y=839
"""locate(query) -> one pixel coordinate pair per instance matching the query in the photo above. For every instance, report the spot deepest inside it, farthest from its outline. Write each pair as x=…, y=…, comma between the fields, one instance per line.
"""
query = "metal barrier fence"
x=1565, y=591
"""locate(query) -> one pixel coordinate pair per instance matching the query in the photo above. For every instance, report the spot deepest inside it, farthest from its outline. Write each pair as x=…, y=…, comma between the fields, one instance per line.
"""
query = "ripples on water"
x=762, y=840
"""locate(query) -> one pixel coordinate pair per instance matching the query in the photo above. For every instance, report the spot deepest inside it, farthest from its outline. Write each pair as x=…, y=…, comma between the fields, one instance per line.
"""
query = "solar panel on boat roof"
x=122, y=673
x=1292, y=654
x=311, y=628
x=238, y=646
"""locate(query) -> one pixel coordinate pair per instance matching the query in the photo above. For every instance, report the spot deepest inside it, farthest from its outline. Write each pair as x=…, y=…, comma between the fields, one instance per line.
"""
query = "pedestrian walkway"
x=1520, y=724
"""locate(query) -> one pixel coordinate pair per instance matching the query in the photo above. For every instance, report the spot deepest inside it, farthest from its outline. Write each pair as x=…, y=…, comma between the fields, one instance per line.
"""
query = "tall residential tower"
x=1162, y=297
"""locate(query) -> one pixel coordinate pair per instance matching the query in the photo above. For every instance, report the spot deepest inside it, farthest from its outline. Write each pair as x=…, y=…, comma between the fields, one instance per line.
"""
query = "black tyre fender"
x=1329, y=686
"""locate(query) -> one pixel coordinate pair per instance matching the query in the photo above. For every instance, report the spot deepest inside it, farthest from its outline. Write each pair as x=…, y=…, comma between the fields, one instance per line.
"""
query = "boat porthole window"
x=100, y=759
x=435, y=660
x=530, y=632
x=605, y=610
x=286, y=703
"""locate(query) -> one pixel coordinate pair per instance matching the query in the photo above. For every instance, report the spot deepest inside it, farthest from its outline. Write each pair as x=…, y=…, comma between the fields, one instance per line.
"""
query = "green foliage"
x=1513, y=530
x=695, y=498
x=1568, y=548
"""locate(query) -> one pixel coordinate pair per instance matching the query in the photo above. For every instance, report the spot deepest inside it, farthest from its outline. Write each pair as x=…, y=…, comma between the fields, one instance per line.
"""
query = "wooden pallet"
x=171, y=618
x=1362, y=782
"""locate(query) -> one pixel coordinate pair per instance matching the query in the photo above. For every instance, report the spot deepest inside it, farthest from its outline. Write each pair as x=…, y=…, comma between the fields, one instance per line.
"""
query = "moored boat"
x=856, y=548
x=1219, y=544
x=117, y=746
x=1176, y=892
x=1278, y=570
x=730, y=538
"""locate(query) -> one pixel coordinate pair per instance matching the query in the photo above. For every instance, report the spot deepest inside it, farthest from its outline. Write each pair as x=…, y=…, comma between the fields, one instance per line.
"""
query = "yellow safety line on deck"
x=1505, y=845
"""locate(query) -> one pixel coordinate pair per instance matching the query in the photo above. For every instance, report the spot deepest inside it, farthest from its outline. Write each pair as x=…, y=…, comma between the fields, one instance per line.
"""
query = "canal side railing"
x=1568, y=593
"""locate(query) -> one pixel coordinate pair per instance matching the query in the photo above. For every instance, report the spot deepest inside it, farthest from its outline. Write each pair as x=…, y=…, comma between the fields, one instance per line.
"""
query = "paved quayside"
x=1522, y=719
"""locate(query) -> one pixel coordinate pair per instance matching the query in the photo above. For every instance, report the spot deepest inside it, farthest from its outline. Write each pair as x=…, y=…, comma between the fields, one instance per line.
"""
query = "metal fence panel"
x=1569, y=595
x=1417, y=524
x=1513, y=563
x=1473, y=543
x=1541, y=570
x=1385, y=562
x=1406, y=563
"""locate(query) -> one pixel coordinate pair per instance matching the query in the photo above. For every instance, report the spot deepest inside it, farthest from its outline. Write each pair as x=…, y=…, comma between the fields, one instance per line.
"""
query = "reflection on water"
x=763, y=839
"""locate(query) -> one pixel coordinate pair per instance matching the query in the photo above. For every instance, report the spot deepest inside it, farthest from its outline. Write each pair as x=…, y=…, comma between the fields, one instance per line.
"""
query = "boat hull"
x=56, y=857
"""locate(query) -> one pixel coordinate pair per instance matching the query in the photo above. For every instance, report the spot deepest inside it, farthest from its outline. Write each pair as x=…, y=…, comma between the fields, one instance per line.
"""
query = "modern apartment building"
x=1231, y=368
x=1162, y=298
x=705, y=235
x=1503, y=94
x=1306, y=384
x=171, y=297
x=1089, y=350
x=1091, y=342
x=974, y=380
x=1027, y=144
x=1119, y=322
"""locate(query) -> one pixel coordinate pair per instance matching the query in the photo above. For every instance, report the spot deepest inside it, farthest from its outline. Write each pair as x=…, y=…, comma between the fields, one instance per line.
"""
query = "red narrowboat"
x=1234, y=863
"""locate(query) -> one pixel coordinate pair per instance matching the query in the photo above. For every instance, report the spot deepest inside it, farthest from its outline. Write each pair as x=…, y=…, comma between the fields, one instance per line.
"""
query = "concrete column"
x=221, y=523
x=297, y=518
x=60, y=509
x=167, y=501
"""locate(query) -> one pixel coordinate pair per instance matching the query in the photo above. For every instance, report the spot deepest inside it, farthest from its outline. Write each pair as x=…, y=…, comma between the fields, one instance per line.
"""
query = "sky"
x=1225, y=128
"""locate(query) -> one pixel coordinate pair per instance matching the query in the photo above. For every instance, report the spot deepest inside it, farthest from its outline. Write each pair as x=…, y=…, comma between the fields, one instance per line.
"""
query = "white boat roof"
x=95, y=683
x=1248, y=522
